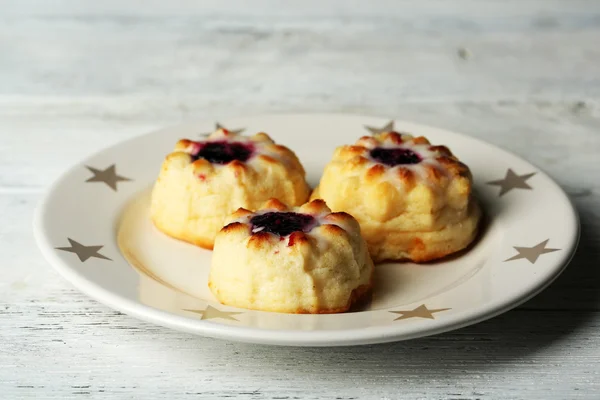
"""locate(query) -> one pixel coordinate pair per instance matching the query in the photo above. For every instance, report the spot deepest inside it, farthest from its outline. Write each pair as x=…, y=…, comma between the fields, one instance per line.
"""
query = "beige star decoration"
x=108, y=176
x=421, y=312
x=211, y=312
x=532, y=253
x=219, y=126
x=389, y=127
x=83, y=252
x=512, y=181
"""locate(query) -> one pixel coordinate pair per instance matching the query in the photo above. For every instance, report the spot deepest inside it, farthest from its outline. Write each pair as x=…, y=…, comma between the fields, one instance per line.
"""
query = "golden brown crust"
x=418, y=253
x=360, y=295
x=267, y=159
x=339, y=216
x=394, y=137
x=333, y=230
x=183, y=144
x=298, y=239
x=275, y=204
x=442, y=150
x=315, y=206
x=200, y=164
x=239, y=168
x=234, y=227
x=296, y=272
x=192, y=199
x=415, y=210
x=423, y=247
x=282, y=148
x=375, y=172
x=407, y=177
x=240, y=213
x=434, y=175
x=366, y=141
x=259, y=240
x=420, y=140
x=262, y=136
x=177, y=156
x=357, y=162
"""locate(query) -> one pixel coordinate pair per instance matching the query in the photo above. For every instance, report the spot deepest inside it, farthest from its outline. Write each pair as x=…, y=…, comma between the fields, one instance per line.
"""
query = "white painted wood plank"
x=69, y=349
x=490, y=9
x=361, y=53
x=561, y=138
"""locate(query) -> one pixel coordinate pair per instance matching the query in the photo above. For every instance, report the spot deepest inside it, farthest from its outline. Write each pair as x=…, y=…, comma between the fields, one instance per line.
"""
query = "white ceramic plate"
x=93, y=226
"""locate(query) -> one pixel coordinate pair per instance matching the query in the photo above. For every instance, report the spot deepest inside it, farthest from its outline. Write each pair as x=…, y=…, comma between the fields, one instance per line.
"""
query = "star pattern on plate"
x=210, y=312
x=532, y=254
x=219, y=126
x=108, y=176
x=83, y=252
x=420, y=312
x=512, y=181
x=389, y=127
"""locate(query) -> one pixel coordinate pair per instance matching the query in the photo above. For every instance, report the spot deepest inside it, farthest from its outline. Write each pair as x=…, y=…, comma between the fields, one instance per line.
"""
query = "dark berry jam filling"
x=395, y=156
x=224, y=152
x=282, y=223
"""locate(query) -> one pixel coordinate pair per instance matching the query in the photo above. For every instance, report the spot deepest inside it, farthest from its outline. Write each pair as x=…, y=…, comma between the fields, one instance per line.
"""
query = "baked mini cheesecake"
x=202, y=182
x=292, y=260
x=413, y=200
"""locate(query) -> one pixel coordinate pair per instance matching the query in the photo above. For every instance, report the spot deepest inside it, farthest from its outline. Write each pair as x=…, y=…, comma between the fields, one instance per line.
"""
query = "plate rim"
x=330, y=337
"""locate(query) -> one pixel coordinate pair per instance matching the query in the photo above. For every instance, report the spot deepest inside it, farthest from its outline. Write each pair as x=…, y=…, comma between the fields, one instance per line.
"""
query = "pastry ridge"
x=419, y=209
x=194, y=194
x=325, y=268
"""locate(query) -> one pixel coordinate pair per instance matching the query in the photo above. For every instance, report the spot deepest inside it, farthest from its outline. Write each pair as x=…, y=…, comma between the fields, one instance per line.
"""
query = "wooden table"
x=76, y=76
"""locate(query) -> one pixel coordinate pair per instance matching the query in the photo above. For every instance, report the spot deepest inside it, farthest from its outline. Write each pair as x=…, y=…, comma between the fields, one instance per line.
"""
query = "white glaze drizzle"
x=261, y=147
x=428, y=158
x=319, y=220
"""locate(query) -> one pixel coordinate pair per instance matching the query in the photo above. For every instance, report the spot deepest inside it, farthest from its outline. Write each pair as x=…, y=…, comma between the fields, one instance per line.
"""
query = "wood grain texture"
x=76, y=76
x=319, y=50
